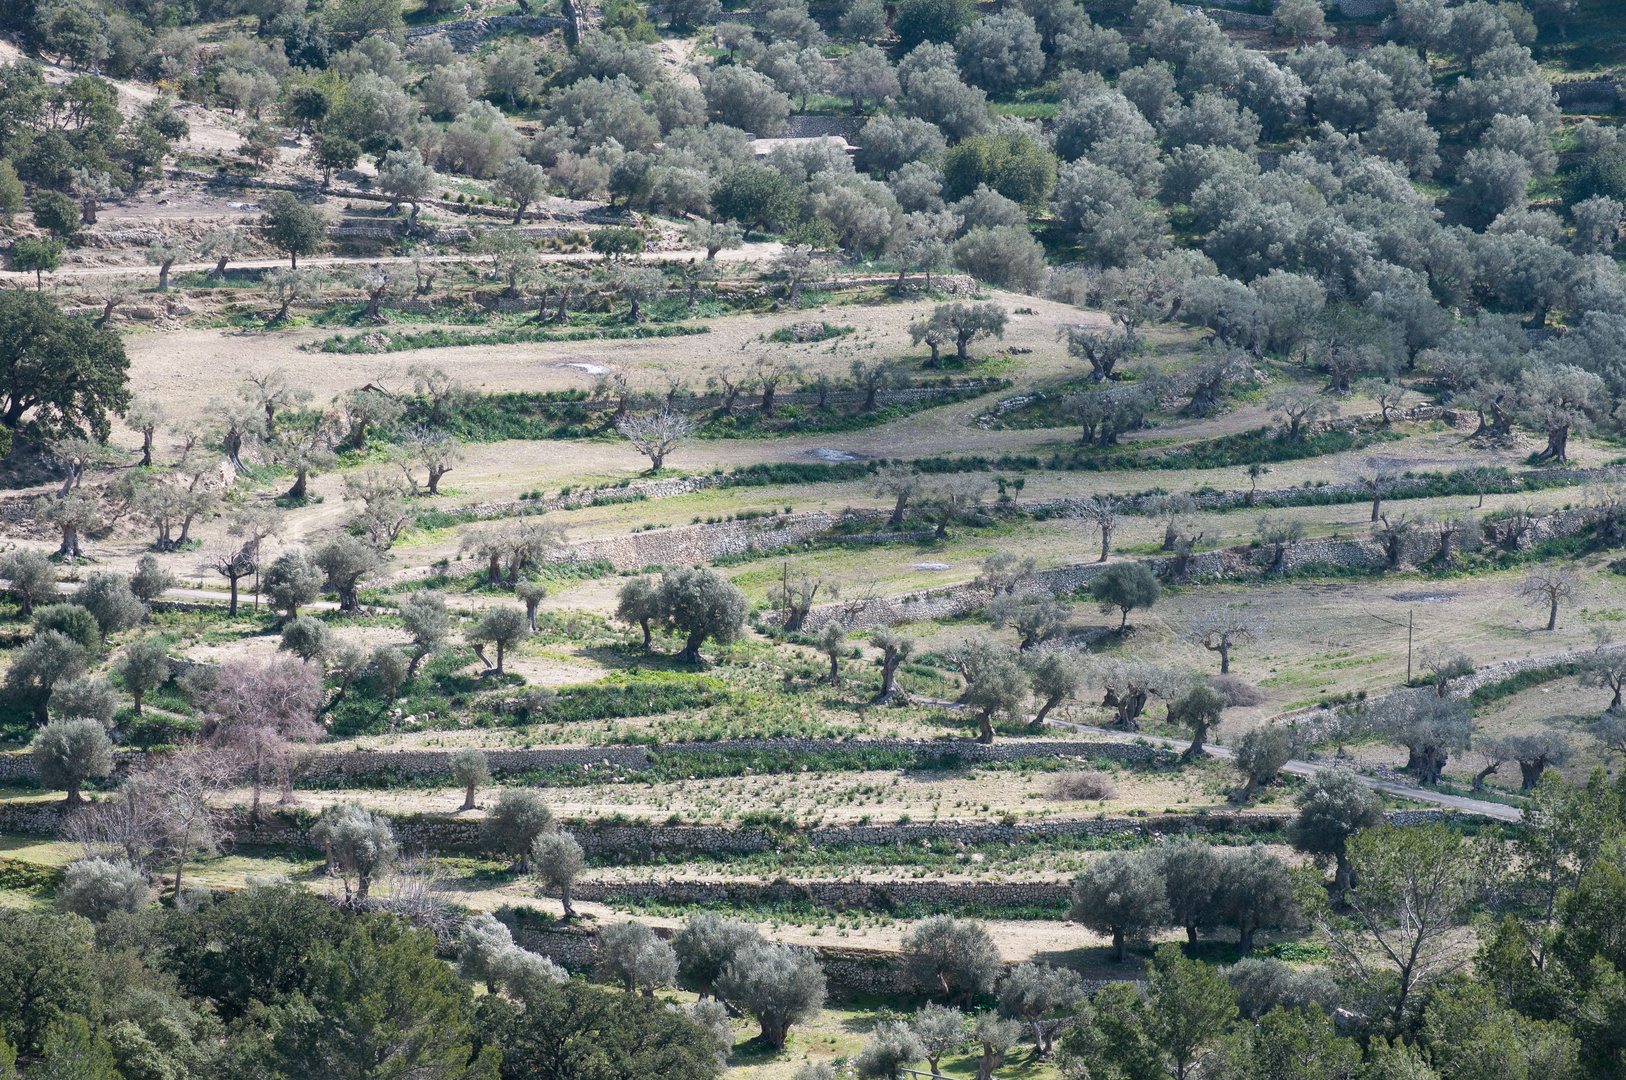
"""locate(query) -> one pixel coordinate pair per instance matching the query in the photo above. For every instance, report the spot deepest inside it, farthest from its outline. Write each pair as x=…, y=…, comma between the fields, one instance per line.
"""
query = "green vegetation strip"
x=445, y=339
x=1524, y=680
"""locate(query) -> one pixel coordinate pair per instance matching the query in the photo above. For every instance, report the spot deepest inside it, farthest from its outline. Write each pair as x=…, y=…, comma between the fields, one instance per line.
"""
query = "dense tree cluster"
x=276, y=981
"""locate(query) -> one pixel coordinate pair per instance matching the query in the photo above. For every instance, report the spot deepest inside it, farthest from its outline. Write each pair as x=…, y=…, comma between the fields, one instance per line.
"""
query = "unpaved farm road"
x=1308, y=769
x=749, y=253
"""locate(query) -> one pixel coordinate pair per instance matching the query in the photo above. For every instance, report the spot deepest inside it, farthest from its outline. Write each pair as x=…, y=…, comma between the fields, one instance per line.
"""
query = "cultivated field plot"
x=810, y=540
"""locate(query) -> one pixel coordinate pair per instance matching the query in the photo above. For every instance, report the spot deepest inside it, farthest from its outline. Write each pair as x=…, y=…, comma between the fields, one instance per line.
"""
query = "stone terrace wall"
x=640, y=843
x=957, y=600
x=852, y=971
x=838, y=895
x=702, y=543
x=427, y=764
x=465, y=35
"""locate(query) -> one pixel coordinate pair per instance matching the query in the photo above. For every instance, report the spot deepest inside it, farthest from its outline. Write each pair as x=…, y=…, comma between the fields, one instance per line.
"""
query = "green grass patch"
x=826, y=331
x=1524, y=680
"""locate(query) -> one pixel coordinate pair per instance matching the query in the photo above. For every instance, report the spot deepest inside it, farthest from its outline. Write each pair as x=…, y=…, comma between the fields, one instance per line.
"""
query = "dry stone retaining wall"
x=837, y=895
x=465, y=35
x=425, y=764
x=696, y=544
x=958, y=600
x=640, y=843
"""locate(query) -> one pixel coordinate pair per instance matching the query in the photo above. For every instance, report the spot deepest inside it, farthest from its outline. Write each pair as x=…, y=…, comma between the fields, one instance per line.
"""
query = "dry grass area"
x=835, y=798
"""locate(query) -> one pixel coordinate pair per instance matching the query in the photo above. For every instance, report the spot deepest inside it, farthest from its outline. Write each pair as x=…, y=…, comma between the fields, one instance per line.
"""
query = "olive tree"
x=745, y=99
x=470, y=769
x=1120, y=894
x=630, y=954
x=656, y=434
x=49, y=657
x=1260, y=755
x=1597, y=223
x=512, y=825
x=1190, y=869
x=901, y=483
x=522, y=184
x=30, y=578
x=307, y=637
x=706, y=944
x=1252, y=891
x=896, y=648
x=109, y=600
x=359, y=842
x=557, y=861
x=85, y=696
x=777, y=984
x=162, y=254
x=994, y=681
x=639, y=603
x=485, y=948
x=996, y=1036
x=1431, y=728
x=1104, y=512
x=1001, y=52
x=501, y=626
x=151, y=580
x=1221, y=629
x=96, y=888
x=1492, y=180
x=832, y=642
x=968, y=322
x=712, y=237
x=291, y=582
x=1548, y=587
x=1535, y=753
x=941, y=1030
x=700, y=603
x=531, y=594
x=1335, y=805
x=956, y=958
x=1200, y=709
x=424, y=616
x=1033, y=992
x=1126, y=586
x=68, y=752
x=346, y=560
x=144, y=666
x=1130, y=685
x=890, y=1048
x=1006, y=256
x=1055, y=676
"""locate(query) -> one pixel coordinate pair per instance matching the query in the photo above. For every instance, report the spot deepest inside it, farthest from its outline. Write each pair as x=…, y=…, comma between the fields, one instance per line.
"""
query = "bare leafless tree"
x=769, y=372
x=1549, y=586
x=656, y=434
x=1003, y=571
x=1221, y=629
x=1375, y=476
x=1173, y=508
x=793, y=596
x=1103, y=512
x=1605, y=666
x=1299, y=407
x=234, y=562
x=260, y=713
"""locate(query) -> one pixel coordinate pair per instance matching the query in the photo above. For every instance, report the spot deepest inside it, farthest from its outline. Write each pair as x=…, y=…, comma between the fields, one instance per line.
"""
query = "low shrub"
x=1083, y=786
